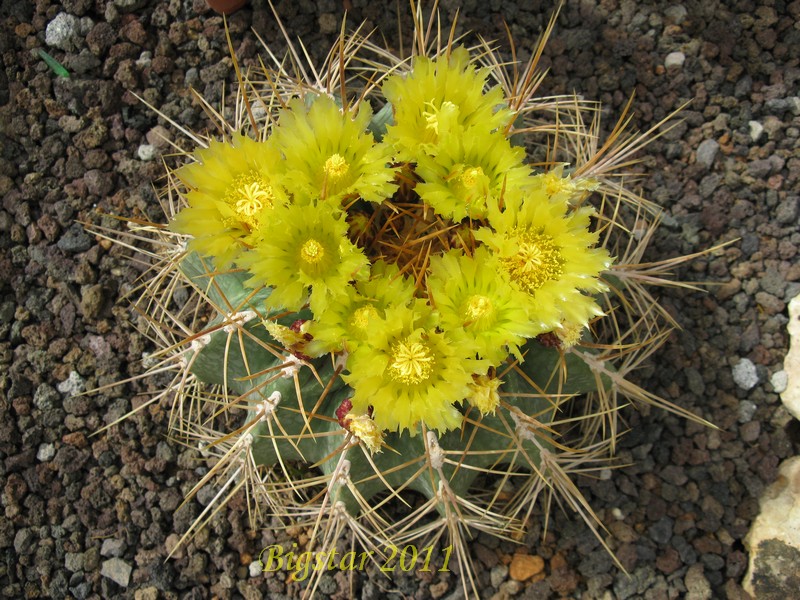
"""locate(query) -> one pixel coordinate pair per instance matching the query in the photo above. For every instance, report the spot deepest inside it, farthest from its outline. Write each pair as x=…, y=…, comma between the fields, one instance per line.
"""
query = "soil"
x=95, y=515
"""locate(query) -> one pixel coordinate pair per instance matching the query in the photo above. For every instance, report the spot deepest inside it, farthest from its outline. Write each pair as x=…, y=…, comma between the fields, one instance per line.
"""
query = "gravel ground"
x=94, y=516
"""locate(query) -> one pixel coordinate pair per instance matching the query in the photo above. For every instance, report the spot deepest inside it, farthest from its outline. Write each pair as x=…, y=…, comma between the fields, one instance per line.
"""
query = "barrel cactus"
x=414, y=288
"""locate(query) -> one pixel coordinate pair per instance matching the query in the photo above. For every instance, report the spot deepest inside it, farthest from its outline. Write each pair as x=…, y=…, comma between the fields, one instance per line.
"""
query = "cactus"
x=414, y=204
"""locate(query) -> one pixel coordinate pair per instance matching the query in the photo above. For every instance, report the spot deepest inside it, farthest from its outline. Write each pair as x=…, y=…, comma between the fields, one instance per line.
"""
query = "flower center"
x=537, y=261
x=335, y=167
x=411, y=362
x=470, y=177
x=249, y=195
x=478, y=307
x=362, y=316
x=432, y=117
x=483, y=394
x=555, y=184
x=312, y=251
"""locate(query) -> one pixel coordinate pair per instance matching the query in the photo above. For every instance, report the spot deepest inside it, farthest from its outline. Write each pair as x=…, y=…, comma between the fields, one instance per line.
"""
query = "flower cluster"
x=428, y=257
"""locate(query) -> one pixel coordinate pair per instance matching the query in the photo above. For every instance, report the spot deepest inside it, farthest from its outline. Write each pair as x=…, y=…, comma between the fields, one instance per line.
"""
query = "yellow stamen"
x=483, y=394
x=362, y=316
x=365, y=429
x=432, y=117
x=555, y=184
x=312, y=251
x=537, y=261
x=477, y=307
x=249, y=195
x=411, y=362
x=336, y=167
x=469, y=177
x=569, y=334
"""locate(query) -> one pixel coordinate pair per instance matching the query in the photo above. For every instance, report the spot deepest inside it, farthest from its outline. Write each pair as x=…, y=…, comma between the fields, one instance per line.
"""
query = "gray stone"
x=126, y=6
x=759, y=169
x=707, y=152
x=697, y=586
x=73, y=561
x=24, y=540
x=661, y=530
x=745, y=374
x=498, y=575
x=773, y=282
x=74, y=239
x=787, y=213
x=746, y=411
x=113, y=547
x=117, y=570
x=777, y=106
x=98, y=183
x=46, y=397
x=675, y=14
x=206, y=494
x=749, y=432
x=61, y=31
x=91, y=301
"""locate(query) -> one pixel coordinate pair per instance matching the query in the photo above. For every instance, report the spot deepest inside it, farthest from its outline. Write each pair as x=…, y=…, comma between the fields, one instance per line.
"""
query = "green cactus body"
x=239, y=359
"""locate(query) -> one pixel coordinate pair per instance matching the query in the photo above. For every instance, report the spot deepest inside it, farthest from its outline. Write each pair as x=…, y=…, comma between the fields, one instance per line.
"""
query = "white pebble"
x=744, y=374
x=756, y=129
x=779, y=381
x=146, y=152
x=61, y=31
x=255, y=568
x=674, y=59
x=46, y=452
x=73, y=385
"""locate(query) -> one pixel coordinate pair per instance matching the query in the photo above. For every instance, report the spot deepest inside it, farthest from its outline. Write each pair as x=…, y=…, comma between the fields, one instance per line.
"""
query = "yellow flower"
x=483, y=393
x=352, y=318
x=232, y=189
x=410, y=373
x=468, y=171
x=546, y=250
x=478, y=308
x=365, y=430
x=557, y=186
x=330, y=154
x=436, y=99
x=304, y=247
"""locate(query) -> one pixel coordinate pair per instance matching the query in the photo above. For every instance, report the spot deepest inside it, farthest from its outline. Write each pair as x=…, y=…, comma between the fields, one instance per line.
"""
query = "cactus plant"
x=435, y=305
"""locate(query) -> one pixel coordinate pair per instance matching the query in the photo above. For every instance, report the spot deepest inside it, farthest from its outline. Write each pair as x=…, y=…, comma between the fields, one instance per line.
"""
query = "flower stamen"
x=469, y=177
x=432, y=117
x=336, y=167
x=249, y=195
x=411, y=362
x=312, y=251
x=363, y=316
x=537, y=261
x=477, y=307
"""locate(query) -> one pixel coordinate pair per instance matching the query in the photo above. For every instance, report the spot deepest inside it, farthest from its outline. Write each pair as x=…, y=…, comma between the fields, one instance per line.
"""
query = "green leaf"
x=54, y=65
